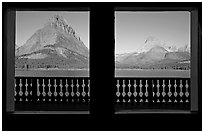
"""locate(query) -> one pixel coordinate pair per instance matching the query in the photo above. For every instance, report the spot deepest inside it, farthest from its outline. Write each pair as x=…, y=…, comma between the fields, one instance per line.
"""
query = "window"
x=52, y=61
x=153, y=60
x=47, y=102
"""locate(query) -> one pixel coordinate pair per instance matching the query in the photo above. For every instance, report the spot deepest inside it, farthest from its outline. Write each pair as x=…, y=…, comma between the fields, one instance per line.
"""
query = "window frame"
x=101, y=106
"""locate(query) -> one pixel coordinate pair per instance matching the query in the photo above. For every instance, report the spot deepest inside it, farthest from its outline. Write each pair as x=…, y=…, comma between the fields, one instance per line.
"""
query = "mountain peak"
x=150, y=42
x=59, y=22
x=151, y=38
x=57, y=18
x=55, y=33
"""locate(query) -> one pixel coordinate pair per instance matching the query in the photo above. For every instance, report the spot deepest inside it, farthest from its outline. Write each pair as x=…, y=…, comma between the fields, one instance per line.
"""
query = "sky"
x=133, y=28
x=28, y=22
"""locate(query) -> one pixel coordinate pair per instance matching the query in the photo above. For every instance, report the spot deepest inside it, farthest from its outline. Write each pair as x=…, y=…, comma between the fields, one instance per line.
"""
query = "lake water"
x=152, y=73
x=118, y=73
x=53, y=73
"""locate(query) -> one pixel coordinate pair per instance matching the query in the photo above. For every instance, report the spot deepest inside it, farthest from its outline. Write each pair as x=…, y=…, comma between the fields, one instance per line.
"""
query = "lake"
x=118, y=73
x=152, y=73
x=52, y=73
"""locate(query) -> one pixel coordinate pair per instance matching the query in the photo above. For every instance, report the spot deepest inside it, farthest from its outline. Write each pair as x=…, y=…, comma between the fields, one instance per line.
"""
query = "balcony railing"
x=153, y=90
x=52, y=93
x=150, y=93
x=52, y=89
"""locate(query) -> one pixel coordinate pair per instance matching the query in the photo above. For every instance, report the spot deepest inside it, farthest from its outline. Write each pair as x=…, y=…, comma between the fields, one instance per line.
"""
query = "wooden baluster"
x=15, y=93
x=135, y=91
x=38, y=90
x=163, y=86
x=55, y=86
x=163, y=91
x=141, y=93
x=118, y=89
x=83, y=92
x=55, y=92
x=181, y=91
x=129, y=92
x=72, y=86
x=158, y=85
x=175, y=92
x=187, y=93
x=158, y=93
x=146, y=86
x=26, y=92
x=153, y=88
x=169, y=93
x=153, y=93
x=89, y=88
x=77, y=93
x=49, y=92
x=43, y=93
x=123, y=93
x=146, y=92
x=61, y=92
x=66, y=85
x=31, y=85
x=20, y=92
x=61, y=85
x=26, y=85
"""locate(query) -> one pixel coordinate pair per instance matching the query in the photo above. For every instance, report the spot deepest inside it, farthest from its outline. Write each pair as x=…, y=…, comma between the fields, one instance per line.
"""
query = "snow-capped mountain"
x=152, y=41
x=154, y=52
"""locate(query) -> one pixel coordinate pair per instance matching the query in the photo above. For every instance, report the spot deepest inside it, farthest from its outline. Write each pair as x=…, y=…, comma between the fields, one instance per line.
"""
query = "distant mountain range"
x=155, y=55
x=152, y=41
x=56, y=45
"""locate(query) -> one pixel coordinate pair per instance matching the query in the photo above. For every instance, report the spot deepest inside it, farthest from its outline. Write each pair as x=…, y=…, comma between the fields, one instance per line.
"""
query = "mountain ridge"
x=155, y=55
x=56, y=41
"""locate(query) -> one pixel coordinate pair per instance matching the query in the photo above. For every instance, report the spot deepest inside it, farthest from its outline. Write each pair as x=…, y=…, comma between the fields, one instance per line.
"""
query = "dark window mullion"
x=101, y=61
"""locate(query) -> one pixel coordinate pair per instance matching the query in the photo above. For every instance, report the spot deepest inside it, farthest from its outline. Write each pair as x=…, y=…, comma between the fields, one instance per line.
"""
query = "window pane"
x=152, y=60
x=52, y=60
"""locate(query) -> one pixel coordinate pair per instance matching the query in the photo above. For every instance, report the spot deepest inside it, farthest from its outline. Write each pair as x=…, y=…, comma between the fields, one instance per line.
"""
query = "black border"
x=101, y=75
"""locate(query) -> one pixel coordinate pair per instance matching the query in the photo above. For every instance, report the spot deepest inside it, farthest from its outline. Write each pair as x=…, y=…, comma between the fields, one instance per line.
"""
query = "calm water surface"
x=152, y=73
x=53, y=73
x=118, y=73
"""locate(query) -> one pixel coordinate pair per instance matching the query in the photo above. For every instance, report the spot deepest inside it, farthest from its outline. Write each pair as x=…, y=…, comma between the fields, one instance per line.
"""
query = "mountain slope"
x=56, y=32
x=56, y=45
x=152, y=41
x=48, y=58
x=121, y=57
x=155, y=55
